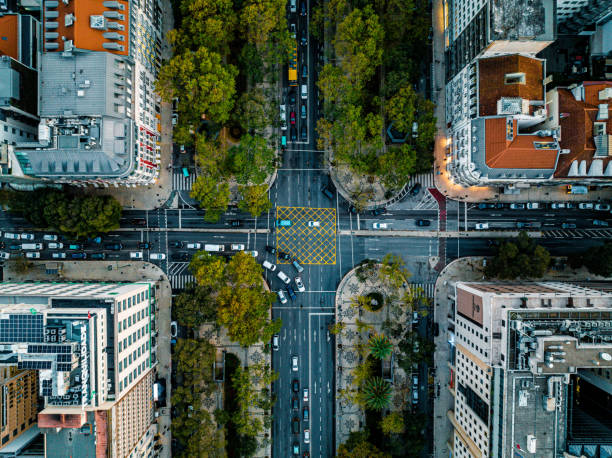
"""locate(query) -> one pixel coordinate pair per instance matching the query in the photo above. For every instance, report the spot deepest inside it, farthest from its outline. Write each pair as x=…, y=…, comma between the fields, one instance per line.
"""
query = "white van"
x=31, y=246
x=293, y=6
x=212, y=247
x=194, y=246
x=283, y=277
x=304, y=91
x=268, y=265
x=283, y=117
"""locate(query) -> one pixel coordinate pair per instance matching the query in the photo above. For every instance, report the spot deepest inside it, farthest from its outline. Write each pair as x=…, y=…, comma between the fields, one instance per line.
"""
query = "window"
x=119, y=327
x=119, y=345
x=514, y=78
x=120, y=366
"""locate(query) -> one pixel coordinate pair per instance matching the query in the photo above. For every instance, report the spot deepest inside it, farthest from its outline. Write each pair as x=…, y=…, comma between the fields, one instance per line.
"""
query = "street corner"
x=307, y=234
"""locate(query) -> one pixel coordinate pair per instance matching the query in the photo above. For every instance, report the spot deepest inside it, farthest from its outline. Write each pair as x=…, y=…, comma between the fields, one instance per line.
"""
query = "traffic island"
x=374, y=314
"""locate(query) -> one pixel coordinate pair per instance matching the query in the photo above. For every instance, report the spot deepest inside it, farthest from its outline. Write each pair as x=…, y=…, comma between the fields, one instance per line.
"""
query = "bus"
x=293, y=67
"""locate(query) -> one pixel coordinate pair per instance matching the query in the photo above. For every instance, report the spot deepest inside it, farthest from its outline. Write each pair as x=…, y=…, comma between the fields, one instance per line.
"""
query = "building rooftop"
x=522, y=20
x=87, y=24
x=9, y=39
x=586, y=130
x=71, y=439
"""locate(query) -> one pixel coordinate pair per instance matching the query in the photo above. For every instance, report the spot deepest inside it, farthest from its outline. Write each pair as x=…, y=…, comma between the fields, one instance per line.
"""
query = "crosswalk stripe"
x=428, y=288
x=181, y=182
x=179, y=281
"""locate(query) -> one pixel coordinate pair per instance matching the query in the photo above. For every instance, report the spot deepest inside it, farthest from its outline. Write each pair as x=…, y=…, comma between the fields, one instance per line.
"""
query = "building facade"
x=518, y=354
x=18, y=403
x=100, y=117
x=92, y=345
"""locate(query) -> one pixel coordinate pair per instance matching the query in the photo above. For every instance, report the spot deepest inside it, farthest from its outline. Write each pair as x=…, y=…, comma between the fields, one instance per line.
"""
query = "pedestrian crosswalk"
x=182, y=183
x=578, y=233
x=427, y=202
x=425, y=179
x=428, y=288
x=179, y=282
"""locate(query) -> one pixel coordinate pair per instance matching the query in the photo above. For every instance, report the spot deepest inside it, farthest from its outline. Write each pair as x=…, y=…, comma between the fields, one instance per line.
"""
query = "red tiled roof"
x=518, y=153
x=577, y=126
x=9, y=41
x=61, y=420
x=492, y=86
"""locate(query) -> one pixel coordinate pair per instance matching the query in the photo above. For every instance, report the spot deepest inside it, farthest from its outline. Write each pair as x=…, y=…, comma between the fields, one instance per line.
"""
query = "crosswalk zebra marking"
x=181, y=182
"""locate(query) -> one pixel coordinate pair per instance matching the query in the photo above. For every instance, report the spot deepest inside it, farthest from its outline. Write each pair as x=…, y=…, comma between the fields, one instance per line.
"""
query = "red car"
x=292, y=117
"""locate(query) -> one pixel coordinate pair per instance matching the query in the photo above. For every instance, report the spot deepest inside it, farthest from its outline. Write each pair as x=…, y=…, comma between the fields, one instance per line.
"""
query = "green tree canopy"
x=598, y=260
x=213, y=196
x=204, y=85
x=194, y=306
x=375, y=393
x=380, y=346
x=254, y=112
x=258, y=18
x=393, y=272
x=392, y=423
x=519, y=257
x=251, y=160
x=357, y=446
x=208, y=270
x=255, y=199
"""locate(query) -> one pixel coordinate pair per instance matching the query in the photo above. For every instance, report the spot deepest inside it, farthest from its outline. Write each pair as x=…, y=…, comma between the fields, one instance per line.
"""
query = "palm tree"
x=376, y=393
x=380, y=346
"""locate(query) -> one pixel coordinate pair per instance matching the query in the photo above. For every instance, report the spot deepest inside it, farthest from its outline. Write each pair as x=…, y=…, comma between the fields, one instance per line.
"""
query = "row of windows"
x=133, y=375
x=132, y=319
x=136, y=335
x=137, y=353
x=134, y=300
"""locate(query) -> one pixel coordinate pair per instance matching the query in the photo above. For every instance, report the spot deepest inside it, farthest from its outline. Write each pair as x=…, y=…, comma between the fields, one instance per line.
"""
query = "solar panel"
x=63, y=367
x=34, y=365
x=22, y=328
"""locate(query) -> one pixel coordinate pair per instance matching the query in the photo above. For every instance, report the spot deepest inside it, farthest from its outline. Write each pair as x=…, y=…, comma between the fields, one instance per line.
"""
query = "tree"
x=194, y=306
x=252, y=160
x=519, y=257
x=363, y=372
x=401, y=109
x=204, y=84
x=213, y=196
x=259, y=18
x=375, y=393
x=392, y=272
x=208, y=270
x=357, y=446
x=210, y=156
x=598, y=260
x=198, y=435
x=195, y=362
x=251, y=64
x=396, y=165
x=392, y=424
x=254, y=113
x=380, y=346
x=336, y=328
x=255, y=199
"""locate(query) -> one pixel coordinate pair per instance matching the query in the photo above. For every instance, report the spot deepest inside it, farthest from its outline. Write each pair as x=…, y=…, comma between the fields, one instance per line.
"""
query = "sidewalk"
x=442, y=177
x=98, y=271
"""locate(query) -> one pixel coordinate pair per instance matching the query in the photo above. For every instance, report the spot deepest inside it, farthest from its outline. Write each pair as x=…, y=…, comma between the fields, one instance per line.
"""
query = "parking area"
x=308, y=235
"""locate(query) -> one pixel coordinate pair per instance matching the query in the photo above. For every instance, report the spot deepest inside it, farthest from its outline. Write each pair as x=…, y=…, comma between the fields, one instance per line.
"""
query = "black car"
x=500, y=206
x=305, y=414
x=304, y=71
x=293, y=134
x=352, y=210
x=295, y=403
x=235, y=222
x=179, y=256
x=14, y=247
x=98, y=256
x=379, y=211
x=176, y=244
x=295, y=385
x=138, y=221
x=327, y=191
x=113, y=246
x=270, y=249
x=78, y=255
x=284, y=256
x=291, y=97
x=303, y=10
x=415, y=189
x=304, y=133
x=290, y=292
x=485, y=206
x=145, y=245
x=423, y=222
x=304, y=39
x=295, y=425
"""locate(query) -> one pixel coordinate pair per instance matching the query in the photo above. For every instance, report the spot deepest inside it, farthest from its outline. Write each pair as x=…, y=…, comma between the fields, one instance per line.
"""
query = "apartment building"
x=92, y=345
x=100, y=117
x=18, y=406
x=520, y=352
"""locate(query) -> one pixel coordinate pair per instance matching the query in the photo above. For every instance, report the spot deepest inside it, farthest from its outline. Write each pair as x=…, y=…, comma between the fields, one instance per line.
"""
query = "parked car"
x=268, y=265
x=295, y=385
x=14, y=246
x=285, y=279
x=281, y=297
x=270, y=249
x=292, y=118
x=173, y=329
x=98, y=256
x=303, y=111
x=293, y=134
x=305, y=414
x=295, y=425
x=327, y=192
x=194, y=246
x=585, y=206
x=533, y=206
x=379, y=225
x=145, y=245
x=602, y=207
x=294, y=363
x=4, y=255
x=112, y=246
x=157, y=256
x=415, y=189
x=295, y=449
x=275, y=342
x=598, y=222
x=283, y=256
x=237, y=246
x=568, y=226
x=299, y=284
x=55, y=246
x=26, y=236
x=33, y=254
x=517, y=206
x=50, y=237
x=303, y=133
x=307, y=436
x=422, y=222
x=78, y=255
x=314, y=224
x=297, y=267
x=557, y=205
x=11, y=236
x=415, y=397
x=295, y=403
x=304, y=71
x=283, y=223
x=484, y=206
x=291, y=292
x=253, y=253
x=482, y=226
x=379, y=211
x=305, y=395
x=135, y=254
x=176, y=244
